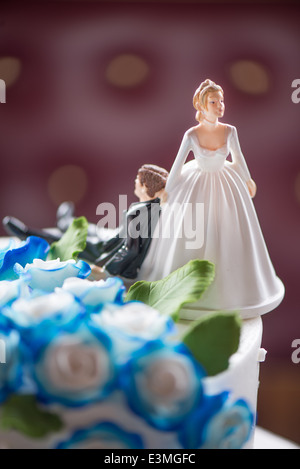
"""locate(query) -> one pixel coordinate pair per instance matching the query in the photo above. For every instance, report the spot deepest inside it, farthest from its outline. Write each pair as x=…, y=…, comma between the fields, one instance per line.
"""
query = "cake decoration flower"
x=47, y=275
x=22, y=253
x=10, y=366
x=11, y=245
x=10, y=290
x=218, y=424
x=163, y=384
x=42, y=310
x=230, y=428
x=73, y=368
x=95, y=294
x=131, y=325
x=104, y=435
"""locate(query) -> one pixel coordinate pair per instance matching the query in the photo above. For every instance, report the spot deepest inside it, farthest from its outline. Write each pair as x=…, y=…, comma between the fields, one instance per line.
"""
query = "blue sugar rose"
x=95, y=294
x=163, y=384
x=73, y=368
x=10, y=290
x=104, y=435
x=42, y=310
x=22, y=253
x=48, y=275
x=218, y=424
x=131, y=325
x=11, y=244
x=230, y=428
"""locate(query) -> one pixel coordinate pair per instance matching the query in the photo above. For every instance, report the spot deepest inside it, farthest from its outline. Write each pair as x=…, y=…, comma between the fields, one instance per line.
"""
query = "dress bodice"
x=209, y=160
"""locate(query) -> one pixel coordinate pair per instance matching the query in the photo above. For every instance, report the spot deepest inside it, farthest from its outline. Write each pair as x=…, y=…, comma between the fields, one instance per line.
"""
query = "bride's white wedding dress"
x=210, y=215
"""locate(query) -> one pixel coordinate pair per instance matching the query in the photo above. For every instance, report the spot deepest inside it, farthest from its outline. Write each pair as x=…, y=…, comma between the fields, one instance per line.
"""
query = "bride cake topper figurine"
x=231, y=236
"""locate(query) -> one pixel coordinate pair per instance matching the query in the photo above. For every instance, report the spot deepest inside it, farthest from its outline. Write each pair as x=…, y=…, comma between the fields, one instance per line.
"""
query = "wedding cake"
x=85, y=364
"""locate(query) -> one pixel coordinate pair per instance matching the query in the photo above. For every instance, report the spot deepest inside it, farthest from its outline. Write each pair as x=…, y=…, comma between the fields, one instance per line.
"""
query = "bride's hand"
x=251, y=187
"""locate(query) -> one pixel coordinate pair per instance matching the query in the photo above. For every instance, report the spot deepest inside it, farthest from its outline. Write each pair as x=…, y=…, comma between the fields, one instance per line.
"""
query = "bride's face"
x=215, y=106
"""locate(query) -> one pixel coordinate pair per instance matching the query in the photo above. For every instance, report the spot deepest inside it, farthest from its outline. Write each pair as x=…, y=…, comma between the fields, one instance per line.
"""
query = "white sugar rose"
x=11, y=290
x=131, y=325
x=48, y=275
x=95, y=294
x=43, y=306
x=74, y=366
x=163, y=383
x=167, y=380
x=58, y=307
x=134, y=319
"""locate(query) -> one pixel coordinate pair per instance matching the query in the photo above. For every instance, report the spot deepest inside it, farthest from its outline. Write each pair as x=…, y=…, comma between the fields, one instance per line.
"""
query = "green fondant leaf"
x=213, y=339
x=72, y=242
x=184, y=285
x=21, y=413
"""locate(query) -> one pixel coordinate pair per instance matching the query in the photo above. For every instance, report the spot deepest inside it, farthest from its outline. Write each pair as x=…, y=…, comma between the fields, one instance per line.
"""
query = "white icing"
x=262, y=355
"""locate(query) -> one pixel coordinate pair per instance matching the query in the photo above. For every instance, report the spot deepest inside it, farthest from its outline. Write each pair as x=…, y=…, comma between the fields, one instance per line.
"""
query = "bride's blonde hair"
x=200, y=96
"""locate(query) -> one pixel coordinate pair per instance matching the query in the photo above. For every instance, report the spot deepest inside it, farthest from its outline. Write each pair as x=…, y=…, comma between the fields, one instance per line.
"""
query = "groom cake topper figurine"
x=245, y=278
x=117, y=252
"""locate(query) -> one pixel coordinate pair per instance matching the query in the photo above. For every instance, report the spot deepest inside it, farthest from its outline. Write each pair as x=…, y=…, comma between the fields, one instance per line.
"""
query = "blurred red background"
x=94, y=90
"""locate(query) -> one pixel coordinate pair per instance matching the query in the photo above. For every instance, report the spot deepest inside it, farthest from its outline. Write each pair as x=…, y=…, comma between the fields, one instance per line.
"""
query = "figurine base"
x=194, y=311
